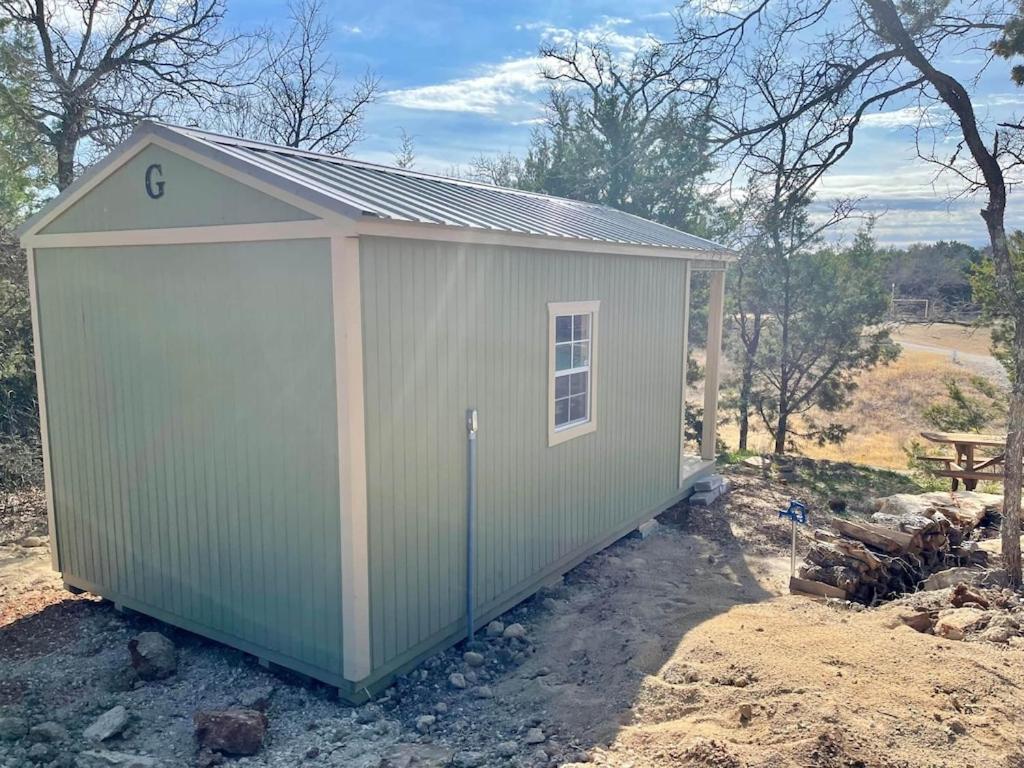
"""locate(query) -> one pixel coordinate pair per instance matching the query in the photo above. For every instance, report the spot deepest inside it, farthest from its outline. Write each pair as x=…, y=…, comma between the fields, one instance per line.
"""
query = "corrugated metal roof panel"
x=403, y=195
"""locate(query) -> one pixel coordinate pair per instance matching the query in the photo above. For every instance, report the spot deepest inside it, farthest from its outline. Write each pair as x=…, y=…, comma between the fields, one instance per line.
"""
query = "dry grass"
x=886, y=413
x=970, y=339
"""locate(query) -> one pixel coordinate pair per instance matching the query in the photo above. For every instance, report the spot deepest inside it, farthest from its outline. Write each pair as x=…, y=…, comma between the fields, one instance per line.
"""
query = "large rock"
x=103, y=758
x=109, y=724
x=231, y=731
x=153, y=656
x=13, y=728
x=955, y=623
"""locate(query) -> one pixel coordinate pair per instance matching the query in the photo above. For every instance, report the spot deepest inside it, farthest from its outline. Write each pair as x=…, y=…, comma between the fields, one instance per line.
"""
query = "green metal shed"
x=255, y=367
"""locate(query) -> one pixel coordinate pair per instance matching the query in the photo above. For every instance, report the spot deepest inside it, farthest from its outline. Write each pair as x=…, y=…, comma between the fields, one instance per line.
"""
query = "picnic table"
x=971, y=463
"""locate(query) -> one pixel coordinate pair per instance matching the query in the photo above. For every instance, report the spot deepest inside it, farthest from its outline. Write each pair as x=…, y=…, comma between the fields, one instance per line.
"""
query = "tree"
x=627, y=132
x=819, y=330
x=405, y=157
x=298, y=98
x=502, y=170
x=939, y=272
x=98, y=67
x=873, y=52
x=994, y=310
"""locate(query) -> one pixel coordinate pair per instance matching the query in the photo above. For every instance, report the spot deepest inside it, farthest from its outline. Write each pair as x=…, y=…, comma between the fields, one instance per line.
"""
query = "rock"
x=40, y=752
x=957, y=727
x=484, y=692
x=473, y=659
x=107, y=759
x=31, y=542
x=457, y=680
x=257, y=697
x=368, y=714
x=756, y=462
x=746, y=711
x=441, y=708
x=109, y=724
x=231, y=731
x=153, y=656
x=955, y=623
x=49, y=732
x=495, y=629
x=709, y=483
x=963, y=594
x=514, y=631
x=918, y=620
x=468, y=759
x=13, y=728
x=424, y=723
x=535, y=736
x=998, y=634
x=507, y=749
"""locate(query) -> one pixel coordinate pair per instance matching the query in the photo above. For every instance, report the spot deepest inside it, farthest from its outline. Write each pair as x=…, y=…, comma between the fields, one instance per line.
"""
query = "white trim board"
x=348, y=360
x=51, y=518
x=215, y=233
x=555, y=308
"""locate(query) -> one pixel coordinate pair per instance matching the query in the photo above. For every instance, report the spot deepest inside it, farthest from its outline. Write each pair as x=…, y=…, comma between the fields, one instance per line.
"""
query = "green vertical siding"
x=448, y=327
x=192, y=429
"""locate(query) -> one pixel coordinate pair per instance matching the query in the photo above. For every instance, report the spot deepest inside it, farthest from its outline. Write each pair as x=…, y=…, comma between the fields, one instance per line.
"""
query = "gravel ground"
x=676, y=650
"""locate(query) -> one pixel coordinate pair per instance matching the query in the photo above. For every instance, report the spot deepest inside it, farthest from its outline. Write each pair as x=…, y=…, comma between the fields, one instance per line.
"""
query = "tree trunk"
x=780, y=433
x=747, y=381
x=65, y=162
x=1010, y=529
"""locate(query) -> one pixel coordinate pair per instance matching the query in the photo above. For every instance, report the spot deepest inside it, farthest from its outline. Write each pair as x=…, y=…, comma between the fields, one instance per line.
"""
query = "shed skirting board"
x=455, y=632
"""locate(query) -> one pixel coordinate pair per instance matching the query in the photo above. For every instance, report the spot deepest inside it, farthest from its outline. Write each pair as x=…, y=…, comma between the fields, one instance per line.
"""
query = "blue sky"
x=463, y=79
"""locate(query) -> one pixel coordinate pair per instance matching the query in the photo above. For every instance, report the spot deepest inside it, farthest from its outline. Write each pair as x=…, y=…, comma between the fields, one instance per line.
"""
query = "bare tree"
x=98, y=66
x=405, y=157
x=870, y=53
x=299, y=98
x=502, y=170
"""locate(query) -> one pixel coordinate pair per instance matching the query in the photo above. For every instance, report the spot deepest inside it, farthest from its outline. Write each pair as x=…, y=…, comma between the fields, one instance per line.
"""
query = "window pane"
x=563, y=356
x=561, y=412
x=581, y=354
x=577, y=408
x=561, y=386
x=581, y=326
x=577, y=383
x=563, y=328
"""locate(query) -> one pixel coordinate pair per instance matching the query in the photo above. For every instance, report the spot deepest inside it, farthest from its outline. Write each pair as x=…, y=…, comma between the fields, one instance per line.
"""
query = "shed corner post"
x=37, y=353
x=688, y=270
x=348, y=356
x=716, y=319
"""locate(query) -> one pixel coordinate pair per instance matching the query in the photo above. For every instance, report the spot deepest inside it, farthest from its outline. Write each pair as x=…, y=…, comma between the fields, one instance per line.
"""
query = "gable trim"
x=236, y=169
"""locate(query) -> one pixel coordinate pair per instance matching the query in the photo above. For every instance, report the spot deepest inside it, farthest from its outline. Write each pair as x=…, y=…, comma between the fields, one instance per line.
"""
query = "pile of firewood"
x=908, y=538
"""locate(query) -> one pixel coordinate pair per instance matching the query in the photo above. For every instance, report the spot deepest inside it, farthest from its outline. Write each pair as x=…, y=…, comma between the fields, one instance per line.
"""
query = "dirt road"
x=677, y=650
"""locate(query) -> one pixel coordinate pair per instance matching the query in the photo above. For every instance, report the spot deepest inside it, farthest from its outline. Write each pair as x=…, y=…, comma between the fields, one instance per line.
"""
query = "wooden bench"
x=966, y=466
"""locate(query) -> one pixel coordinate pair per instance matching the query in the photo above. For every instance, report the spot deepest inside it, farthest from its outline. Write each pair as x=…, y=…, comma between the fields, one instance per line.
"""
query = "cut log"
x=800, y=586
x=877, y=536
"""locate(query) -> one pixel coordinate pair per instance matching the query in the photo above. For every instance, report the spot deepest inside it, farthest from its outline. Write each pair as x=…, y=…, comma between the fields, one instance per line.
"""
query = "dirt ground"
x=647, y=655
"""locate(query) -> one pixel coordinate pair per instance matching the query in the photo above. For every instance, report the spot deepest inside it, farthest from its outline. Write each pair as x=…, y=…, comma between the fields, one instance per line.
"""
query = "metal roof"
x=402, y=195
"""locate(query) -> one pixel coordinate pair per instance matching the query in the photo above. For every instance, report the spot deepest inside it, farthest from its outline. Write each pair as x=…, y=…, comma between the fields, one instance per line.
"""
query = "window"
x=573, y=346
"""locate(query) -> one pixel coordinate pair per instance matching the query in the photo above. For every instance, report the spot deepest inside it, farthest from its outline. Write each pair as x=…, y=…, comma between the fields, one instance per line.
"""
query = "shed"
x=258, y=368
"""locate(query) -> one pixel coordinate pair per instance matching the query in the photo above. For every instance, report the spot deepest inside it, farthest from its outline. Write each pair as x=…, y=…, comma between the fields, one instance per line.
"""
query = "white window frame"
x=559, y=435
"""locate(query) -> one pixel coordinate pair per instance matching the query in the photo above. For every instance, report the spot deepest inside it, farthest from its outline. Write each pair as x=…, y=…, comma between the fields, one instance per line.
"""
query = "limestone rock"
x=231, y=731
x=109, y=724
x=534, y=736
x=516, y=631
x=473, y=659
x=106, y=759
x=49, y=732
x=955, y=623
x=457, y=680
x=12, y=728
x=154, y=657
x=495, y=629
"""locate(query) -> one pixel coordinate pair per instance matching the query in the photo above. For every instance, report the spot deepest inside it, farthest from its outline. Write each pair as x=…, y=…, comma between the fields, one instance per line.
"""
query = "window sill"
x=559, y=436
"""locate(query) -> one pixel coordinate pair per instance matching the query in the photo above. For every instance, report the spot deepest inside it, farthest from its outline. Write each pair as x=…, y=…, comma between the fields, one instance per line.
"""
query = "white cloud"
x=498, y=86
x=352, y=29
x=515, y=84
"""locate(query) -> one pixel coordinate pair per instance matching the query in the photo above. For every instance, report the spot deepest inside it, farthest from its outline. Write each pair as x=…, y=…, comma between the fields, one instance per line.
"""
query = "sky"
x=464, y=79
